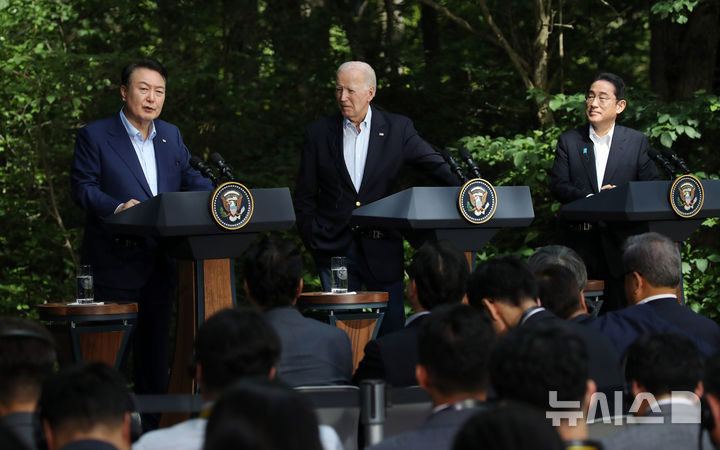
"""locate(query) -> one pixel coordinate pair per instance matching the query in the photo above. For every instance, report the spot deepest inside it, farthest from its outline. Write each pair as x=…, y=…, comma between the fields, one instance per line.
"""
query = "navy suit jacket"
x=313, y=353
x=392, y=357
x=573, y=175
x=106, y=172
x=325, y=196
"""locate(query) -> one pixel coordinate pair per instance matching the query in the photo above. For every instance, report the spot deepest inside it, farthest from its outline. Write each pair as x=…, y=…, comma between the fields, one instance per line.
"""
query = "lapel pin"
x=584, y=149
x=164, y=140
x=381, y=134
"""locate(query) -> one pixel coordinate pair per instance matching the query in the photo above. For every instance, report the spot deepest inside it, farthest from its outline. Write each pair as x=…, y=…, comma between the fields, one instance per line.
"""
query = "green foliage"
x=677, y=10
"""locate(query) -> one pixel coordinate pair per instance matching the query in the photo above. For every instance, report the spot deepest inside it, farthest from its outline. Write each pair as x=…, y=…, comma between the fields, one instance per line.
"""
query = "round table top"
x=90, y=309
x=351, y=298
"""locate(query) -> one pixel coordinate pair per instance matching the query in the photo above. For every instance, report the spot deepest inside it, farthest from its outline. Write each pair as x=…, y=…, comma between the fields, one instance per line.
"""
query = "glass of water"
x=85, y=291
x=338, y=275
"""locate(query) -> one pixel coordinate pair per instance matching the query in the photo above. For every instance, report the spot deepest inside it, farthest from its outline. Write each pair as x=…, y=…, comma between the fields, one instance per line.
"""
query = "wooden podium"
x=345, y=312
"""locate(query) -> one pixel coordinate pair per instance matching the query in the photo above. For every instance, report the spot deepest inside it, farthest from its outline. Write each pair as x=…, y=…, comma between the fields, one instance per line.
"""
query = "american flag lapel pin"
x=381, y=134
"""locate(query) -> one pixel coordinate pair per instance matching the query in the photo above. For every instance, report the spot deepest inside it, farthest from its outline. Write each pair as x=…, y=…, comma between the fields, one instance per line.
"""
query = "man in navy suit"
x=594, y=158
x=119, y=162
x=349, y=160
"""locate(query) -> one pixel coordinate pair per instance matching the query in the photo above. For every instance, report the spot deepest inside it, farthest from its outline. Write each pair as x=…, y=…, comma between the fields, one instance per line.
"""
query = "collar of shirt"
x=602, y=153
x=457, y=406
x=145, y=151
x=133, y=132
x=528, y=313
x=355, y=147
x=607, y=138
x=655, y=297
x=415, y=316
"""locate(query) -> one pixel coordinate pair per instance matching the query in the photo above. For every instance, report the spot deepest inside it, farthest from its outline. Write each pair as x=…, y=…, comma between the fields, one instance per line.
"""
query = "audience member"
x=514, y=426
x=27, y=357
x=711, y=406
x=506, y=289
x=86, y=406
x=652, y=275
x=262, y=415
x=542, y=365
x=453, y=369
x=437, y=276
x=664, y=374
x=313, y=353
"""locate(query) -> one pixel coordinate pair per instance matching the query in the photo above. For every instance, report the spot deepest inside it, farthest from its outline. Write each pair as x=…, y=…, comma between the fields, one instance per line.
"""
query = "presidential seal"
x=231, y=205
x=687, y=196
x=477, y=201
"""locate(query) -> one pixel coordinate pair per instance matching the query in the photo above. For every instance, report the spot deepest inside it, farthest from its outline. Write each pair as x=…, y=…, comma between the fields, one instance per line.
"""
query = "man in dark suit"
x=349, y=160
x=507, y=291
x=119, y=162
x=313, y=353
x=437, y=276
x=453, y=369
x=597, y=157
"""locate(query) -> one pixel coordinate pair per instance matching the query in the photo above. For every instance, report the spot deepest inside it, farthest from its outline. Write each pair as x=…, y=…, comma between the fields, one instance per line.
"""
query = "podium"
x=644, y=206
x=431, y=213
x=182, y=224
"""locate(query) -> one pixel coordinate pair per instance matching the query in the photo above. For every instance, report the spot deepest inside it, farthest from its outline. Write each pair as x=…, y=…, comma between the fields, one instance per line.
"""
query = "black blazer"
x=573, y=175
x=325, y=196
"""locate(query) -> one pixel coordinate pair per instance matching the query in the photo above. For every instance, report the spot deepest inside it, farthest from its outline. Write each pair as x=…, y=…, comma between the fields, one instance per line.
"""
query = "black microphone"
x=669, y=168
x=197, y=164
x=224, y=167
x=466, y=157
x=454, y=166
x=675, y=158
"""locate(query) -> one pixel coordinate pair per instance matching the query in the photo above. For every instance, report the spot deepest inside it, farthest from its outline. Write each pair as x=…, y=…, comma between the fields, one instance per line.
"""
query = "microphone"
x=669, y=168
x=454, y=166
x=675, y=158
x=466, y=157
x=197, y=164
x=224, y=167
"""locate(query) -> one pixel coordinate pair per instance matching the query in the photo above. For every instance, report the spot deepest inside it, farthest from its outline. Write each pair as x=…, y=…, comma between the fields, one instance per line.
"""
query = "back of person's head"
x=440, y=272
x=84, y=396
x=514, y=426
x=235, y=343
x=273, y=270
x=454, y=344
x=559, y=255
x=262, y=414
x=530, y=361
x=27, y=357
x=145, y=63
x=558, y=290
x=664, y=362
x=655, y=257
x=507, y=280
x=616, y=81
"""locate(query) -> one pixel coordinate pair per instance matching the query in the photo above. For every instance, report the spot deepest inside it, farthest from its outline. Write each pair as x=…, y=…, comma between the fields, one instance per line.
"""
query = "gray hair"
x=655, y=257
x=559, y=255
x=370, y=80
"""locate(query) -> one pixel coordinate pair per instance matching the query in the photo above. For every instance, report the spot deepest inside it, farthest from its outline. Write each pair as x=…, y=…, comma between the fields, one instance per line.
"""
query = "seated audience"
x=664, y=374
x=86, y=406
x=437, y=276
x=27, y=357
x=514, y=426
x=545, y=366
x=262, y=415
x=453, y=369
x=653, y=273
x=506, y=290
x=313, y=353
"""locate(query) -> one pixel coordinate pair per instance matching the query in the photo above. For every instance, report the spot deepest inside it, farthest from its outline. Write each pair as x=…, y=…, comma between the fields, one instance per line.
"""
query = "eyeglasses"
x=590, y=99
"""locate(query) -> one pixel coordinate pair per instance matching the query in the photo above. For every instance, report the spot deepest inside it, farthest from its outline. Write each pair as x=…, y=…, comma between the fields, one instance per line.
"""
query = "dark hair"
x=145, y=63
x=558, y=290
x=507, y=279
x=655, y=257
x=272, y=271
x=235, y=343
x=664, y=362
x=559, y=255
x=262, y=414
x=83, y=396
x=27, y=357
x=530, y=361
x=616, y=81
x=454, y=346
x=514, y=426
x=440, y=271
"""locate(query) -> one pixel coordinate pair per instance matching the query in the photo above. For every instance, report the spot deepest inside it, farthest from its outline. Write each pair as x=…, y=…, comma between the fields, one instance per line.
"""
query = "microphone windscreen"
x=195, y=162
x=216, y=158
x=465, y=153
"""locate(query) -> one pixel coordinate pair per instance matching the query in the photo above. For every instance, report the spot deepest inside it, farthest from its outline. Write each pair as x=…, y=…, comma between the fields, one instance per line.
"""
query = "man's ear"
x=637, y=388
x=49, y=438
x=301, y=283
x=273, y=373
x=590, y=389
x=699, y=389
x=422, y=376
x=620, y=106
x=492, y=309
x=126, y=427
